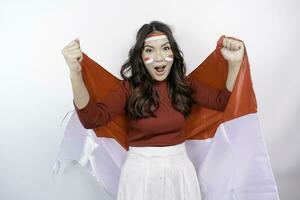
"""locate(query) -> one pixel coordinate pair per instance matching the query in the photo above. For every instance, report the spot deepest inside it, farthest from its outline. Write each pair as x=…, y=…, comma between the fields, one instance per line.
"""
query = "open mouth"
x=160, y=68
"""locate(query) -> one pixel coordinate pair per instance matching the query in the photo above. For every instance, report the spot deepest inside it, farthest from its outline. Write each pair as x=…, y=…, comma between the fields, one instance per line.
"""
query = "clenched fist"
x=233, y=50
x=73, y=55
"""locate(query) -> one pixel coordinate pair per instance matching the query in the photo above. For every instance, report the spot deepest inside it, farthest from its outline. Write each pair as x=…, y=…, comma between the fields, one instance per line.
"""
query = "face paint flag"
x=226, y=148
x=148, y=60
x=169, y=58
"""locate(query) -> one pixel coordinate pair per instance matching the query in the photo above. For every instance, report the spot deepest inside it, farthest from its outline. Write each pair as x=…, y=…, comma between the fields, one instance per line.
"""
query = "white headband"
x=158, y=37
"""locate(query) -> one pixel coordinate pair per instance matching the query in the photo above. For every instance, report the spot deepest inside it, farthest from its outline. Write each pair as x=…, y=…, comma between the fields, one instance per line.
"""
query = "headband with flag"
x=155, y=36
x=226, y=148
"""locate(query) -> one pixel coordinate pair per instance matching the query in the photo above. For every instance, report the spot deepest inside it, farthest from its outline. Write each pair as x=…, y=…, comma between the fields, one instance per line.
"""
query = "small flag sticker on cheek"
x=148, y=60
x=169, y=58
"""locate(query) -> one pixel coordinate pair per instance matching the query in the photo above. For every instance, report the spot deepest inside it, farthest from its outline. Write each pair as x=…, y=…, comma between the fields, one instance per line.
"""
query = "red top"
x=164, y=130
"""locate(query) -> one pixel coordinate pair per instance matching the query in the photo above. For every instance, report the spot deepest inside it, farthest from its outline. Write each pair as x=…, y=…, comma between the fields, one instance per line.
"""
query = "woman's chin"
x=160, y=78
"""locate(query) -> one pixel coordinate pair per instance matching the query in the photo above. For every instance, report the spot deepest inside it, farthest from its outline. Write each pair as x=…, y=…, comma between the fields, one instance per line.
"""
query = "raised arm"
x=73, y=56
x=92, y=114
x=233, y=52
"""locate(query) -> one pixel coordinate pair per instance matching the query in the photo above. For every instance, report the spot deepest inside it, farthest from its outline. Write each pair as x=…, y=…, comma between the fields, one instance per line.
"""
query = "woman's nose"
x=159, y=56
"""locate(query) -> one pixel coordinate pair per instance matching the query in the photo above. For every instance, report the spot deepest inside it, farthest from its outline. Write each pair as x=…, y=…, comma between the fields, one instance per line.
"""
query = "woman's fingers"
x=74, y=47
x=77, y=40
x=225, y=40
x=74, y=51
x=71, y=48
x=232, y=44
x=72, y=43
x=73, y=54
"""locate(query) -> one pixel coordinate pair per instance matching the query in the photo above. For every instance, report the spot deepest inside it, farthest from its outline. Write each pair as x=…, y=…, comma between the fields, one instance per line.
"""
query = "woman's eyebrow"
x=153, y=47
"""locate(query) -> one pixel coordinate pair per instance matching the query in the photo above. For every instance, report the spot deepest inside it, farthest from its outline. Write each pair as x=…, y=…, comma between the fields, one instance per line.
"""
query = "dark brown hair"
x=144, y=98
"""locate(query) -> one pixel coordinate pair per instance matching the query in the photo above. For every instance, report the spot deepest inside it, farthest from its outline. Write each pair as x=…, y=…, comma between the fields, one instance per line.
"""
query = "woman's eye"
x=148, y=50
x=167, y=48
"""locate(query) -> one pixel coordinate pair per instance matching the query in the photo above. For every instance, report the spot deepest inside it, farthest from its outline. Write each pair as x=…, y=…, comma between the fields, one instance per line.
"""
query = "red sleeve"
x=209, y=97
x=96, y=114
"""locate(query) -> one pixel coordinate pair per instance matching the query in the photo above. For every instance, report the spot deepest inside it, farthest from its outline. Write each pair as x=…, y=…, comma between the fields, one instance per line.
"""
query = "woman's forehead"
x=157, y=41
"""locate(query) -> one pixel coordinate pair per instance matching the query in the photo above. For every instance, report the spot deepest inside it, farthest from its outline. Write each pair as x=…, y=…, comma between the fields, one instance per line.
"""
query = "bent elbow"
x=223, y=100
x=89, y=124
x=222, y=109
x=222, y=106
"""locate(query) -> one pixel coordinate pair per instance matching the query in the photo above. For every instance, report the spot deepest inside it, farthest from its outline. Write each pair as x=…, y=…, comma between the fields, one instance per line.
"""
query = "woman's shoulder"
x=125, y=86
x=190, y=80
x=125, y=83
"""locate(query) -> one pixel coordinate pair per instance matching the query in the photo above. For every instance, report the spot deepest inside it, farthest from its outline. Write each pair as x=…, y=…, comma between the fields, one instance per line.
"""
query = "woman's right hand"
x=73, y=55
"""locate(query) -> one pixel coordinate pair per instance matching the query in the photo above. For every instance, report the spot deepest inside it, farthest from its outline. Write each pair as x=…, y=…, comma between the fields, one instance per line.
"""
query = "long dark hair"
x=144, y=98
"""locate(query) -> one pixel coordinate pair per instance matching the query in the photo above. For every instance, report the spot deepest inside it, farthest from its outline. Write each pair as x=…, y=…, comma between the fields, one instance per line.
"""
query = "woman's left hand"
x=233, y=50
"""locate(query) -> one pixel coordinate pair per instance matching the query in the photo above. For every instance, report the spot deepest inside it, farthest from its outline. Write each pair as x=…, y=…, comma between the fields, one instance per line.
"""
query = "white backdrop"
x=36, y=91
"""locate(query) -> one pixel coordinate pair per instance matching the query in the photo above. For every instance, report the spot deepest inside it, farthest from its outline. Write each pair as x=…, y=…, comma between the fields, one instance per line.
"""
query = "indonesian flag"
x=227, y=148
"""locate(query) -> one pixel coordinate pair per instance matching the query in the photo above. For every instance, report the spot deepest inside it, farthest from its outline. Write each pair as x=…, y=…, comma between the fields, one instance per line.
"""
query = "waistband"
x=158, y=151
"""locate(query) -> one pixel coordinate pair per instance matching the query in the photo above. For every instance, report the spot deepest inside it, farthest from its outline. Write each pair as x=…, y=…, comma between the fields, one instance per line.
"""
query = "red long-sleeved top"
x=164, y=130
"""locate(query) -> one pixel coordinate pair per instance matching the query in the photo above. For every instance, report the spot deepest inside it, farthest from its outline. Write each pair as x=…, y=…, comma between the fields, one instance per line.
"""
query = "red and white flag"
x=227, y=148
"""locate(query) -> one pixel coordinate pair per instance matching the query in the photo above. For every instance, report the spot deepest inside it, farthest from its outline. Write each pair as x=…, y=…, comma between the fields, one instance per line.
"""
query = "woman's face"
x=158, y=57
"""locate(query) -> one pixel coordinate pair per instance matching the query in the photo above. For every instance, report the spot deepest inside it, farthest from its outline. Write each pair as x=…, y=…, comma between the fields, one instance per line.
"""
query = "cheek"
x=149, y=69
x=147, y=60
x=169, y=58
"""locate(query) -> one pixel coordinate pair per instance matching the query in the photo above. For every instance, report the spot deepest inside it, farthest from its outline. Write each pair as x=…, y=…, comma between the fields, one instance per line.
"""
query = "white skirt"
x=158, y=173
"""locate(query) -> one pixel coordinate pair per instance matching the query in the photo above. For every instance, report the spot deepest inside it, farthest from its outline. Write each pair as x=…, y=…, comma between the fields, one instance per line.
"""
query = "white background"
x=36, y=92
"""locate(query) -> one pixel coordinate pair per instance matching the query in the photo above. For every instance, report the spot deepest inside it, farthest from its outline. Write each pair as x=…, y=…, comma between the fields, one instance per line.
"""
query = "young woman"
x=156, y=98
